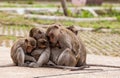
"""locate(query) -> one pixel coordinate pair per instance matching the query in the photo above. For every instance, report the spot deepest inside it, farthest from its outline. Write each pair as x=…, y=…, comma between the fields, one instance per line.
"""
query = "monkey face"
x=29, y=49
x=53, y=34
x=30, y=44
x=42, y=43
x=37, y=33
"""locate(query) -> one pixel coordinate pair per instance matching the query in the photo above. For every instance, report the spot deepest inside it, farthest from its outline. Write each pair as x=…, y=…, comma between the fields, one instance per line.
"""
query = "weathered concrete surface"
x=26, y=72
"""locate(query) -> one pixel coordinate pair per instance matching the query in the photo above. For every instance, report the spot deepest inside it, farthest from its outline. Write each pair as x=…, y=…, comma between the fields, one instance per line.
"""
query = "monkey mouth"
x=52, y=45
x=42, y=46
x=29, y=49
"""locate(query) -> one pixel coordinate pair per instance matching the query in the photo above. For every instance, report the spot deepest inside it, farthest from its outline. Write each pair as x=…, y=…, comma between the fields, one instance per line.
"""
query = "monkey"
x=73, y=29
x=65, y=55
x=56, y=51
x=71, y=47
x=21, y=49
x=38, y=33
x=42, y=51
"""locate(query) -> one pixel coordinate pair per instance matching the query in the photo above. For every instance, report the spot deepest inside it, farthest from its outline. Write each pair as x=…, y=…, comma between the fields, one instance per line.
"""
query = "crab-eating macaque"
x=42, y=51
x=70, y=47
x=67, y=50
x=73, y=29
x=21, y=49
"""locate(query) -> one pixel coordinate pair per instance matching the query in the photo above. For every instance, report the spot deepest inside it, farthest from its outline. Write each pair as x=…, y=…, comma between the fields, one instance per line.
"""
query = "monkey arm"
x=44, y=57
x=30, y=58
x=65, y=42
x=37, y=52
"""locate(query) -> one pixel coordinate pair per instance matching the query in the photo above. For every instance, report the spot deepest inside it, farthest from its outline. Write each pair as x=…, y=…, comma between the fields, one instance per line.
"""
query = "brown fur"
x=37, y=33
x=73, y=29
x=20, y=50
x=71, y=47
x=42, y=52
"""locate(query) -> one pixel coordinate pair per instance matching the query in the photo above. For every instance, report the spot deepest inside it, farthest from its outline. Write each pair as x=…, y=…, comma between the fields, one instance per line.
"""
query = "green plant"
x=118, y=18
x=83, y=14
x=30, y=1
x=69, y=12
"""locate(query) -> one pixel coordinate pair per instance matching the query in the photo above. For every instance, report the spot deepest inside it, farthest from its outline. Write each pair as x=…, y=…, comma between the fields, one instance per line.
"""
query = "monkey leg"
x=20, y=57
x=81, y=62
x=67, y=58
x=82, y=59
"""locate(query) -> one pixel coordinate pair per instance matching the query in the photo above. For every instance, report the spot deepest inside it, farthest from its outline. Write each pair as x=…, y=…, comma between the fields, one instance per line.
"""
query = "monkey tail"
x=99, y=65
x=70, y=68
x=80, y=68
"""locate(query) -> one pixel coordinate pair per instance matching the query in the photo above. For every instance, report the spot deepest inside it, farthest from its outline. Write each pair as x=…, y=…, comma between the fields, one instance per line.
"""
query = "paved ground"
x=25, y=72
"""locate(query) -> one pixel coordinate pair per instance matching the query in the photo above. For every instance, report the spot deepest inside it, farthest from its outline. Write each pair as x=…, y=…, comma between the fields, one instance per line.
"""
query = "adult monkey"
x=69, y=48
x=56, y=52
x=21, y=49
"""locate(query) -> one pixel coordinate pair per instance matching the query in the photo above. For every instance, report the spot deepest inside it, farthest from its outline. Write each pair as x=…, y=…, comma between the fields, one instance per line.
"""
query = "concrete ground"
x=42, y=72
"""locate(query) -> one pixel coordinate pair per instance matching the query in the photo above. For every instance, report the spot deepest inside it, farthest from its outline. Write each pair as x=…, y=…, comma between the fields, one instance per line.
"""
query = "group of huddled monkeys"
x=57, y=46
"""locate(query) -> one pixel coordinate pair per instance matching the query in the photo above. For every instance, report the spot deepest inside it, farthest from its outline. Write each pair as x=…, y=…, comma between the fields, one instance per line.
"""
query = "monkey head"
x=42, y=43
x=53, y=33
x=29, y=44
x=73, y=29
x=37, y=33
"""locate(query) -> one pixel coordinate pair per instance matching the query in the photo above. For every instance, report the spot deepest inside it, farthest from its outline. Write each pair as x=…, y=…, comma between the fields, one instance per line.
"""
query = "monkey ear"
x=76, y=32
x=31, y=33
x=56, y=26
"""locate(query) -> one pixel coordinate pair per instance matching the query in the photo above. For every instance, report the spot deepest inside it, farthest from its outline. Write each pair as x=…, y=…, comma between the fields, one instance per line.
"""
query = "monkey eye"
x=39, y=32
x=56, y=26
x=33, y=44
x=26, y=40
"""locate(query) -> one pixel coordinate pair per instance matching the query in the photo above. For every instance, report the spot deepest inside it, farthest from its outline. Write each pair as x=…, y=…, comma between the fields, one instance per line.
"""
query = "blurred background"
x=98, y=21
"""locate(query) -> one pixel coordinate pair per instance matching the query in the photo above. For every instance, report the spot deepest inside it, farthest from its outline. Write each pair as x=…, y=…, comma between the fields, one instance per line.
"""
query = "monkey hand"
x=34, y=60
x=33, y=65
